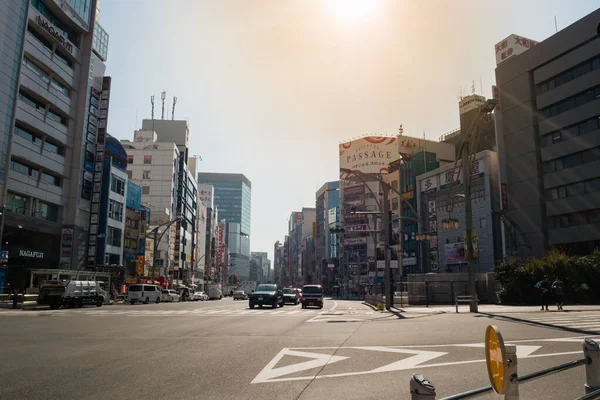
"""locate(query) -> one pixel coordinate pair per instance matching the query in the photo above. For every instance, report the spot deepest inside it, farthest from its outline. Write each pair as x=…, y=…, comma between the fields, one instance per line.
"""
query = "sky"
x=270, y=87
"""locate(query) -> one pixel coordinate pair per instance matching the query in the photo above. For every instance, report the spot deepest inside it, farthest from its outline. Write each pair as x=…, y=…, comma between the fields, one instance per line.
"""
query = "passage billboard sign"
x=369, y=155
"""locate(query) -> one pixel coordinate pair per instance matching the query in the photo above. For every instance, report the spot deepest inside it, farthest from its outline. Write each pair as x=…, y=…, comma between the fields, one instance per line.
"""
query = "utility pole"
x=466, y=167
x=389, y=295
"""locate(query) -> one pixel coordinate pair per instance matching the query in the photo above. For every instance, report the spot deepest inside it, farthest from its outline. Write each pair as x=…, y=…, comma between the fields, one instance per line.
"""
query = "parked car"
x=143, y=293
x=240, y=295
x=266, y=294
x=199, y=296
x=169, y=295
x=312, y=296
x=291, y=295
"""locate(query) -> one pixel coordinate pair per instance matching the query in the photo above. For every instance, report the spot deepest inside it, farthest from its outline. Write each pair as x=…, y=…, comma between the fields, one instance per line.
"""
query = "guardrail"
x=502, y=364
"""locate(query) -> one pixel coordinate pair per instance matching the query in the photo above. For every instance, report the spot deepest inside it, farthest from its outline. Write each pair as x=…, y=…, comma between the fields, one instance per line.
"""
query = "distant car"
x=291, y=295
x=240, y=295
x=312, y=296
x=199, y=296
x=266, y=294
x=169, y=295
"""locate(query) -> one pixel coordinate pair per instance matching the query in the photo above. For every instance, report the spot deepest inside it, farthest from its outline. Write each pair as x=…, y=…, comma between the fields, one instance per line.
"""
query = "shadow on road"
x=537, y=323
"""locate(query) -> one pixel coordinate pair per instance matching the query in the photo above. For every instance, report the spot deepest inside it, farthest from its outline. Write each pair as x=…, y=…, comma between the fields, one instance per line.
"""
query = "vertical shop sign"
x=94, y=237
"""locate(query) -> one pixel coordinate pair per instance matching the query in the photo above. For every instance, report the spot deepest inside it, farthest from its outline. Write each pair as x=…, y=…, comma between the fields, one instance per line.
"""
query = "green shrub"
x=581, y=276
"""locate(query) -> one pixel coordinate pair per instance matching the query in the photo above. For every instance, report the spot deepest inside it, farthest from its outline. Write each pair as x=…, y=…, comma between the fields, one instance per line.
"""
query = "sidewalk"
x=488, y=309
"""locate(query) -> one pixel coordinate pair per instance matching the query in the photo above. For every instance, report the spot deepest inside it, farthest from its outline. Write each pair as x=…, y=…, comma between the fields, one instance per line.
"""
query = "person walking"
x=545, y=286
x=558, y=288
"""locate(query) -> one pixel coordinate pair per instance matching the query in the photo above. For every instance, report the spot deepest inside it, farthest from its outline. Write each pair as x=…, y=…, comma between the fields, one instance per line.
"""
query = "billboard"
x=512, y=46
x=369, y=155
x=205, y=193
x=471, y=102
x=455, y=253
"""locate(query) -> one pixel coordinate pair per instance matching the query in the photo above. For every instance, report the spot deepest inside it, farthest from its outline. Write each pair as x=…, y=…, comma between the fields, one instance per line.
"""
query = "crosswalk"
x=581, y=321
x=208, y=312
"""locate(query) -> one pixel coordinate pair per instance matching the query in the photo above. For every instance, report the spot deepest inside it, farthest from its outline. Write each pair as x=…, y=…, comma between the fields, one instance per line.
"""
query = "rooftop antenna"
x=401, y=130
x=152, y=102
x=481, y=85
x=473, y=87
x=163, y=96
x=555, y=24
x=173, y=112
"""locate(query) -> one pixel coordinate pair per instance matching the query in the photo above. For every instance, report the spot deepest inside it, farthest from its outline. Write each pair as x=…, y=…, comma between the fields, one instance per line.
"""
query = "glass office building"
x=232, y=197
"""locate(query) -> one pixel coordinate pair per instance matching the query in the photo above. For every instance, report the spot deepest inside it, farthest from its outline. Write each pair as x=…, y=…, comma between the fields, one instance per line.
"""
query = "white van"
x=143, y=293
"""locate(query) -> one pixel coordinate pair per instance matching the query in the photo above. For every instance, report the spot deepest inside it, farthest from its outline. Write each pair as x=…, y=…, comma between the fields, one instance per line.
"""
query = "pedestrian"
x=558, y=288
x=546, y=287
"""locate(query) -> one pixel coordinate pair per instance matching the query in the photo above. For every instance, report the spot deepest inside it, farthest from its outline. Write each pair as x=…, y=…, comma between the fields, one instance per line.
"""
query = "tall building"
x=259, y=267
x=278, y=263
x=137, y=218
x=549, y=137
x=301, y=225
x=56, y=57
x=232, y=197
x=417, y=157
x=437, y=201
x=327, y=212
x=155, y=167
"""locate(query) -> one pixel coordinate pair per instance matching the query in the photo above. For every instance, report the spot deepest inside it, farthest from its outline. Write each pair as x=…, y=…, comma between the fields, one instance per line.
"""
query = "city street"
x=223, y=350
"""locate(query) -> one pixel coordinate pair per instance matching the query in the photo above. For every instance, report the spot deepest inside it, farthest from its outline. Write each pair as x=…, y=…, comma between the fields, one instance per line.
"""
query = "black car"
x=266, y=294
x=312, y=296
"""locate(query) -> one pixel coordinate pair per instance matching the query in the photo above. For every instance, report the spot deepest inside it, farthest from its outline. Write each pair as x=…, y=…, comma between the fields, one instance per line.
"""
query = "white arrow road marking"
x=522, y=350
x=269, y=373
x=419, y=357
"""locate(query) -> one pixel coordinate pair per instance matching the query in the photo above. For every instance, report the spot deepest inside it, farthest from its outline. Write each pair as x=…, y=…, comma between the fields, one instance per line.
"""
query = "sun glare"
x=353, y=10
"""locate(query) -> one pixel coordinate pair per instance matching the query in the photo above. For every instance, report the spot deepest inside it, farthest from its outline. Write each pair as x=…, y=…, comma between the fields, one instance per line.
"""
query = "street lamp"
x=153, y=234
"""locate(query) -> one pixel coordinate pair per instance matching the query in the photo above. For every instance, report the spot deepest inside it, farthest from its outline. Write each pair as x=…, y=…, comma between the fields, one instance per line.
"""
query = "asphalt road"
x=223, y=350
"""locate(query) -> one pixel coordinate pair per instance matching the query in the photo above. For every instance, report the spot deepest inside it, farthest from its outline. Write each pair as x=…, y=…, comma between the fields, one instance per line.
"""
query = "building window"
x=61, y=87
x=33, y=67
x=115, y=210
x=147, y=159
x=395, y=203
x=572, y=102
x=129, y=175
x=113, y=236
x=570, y=74
x=145, y=189
x=26, y=134
x=58, y=118
x=54, y=148
x=129, y=159
x=50, y=179
x=117, y=185
x=395, y=185
x=146, y=175
x=17, y=203
x=47, y=211
x=24, y=97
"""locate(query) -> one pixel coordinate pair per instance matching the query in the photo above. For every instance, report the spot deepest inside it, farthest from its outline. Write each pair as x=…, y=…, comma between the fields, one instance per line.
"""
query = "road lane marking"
x=271, y=374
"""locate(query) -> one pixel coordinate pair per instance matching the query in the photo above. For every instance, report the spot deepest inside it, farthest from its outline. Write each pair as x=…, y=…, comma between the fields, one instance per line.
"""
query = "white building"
x=153, y=166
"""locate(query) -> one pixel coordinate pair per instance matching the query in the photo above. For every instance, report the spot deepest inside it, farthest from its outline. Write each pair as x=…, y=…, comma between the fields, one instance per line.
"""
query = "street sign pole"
x=389, y=297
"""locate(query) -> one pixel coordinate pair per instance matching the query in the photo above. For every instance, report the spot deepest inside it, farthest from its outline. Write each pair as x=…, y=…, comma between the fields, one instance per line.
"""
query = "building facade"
x=155, y=167
x=549, y=139
x=439, y=199
x=54, y=64
x=327, y=207
x=137, y=218
x=232, y=197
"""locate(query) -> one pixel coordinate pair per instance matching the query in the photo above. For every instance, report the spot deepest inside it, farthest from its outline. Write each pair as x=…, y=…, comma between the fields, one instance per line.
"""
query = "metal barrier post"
x=512, y=390
x=591, y=350
x=421, y=388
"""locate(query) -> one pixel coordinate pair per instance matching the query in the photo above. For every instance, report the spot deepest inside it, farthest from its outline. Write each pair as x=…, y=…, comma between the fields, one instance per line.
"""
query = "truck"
x=214, y=291
x=228, y=289
x=248, y=286
x=71, y=293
